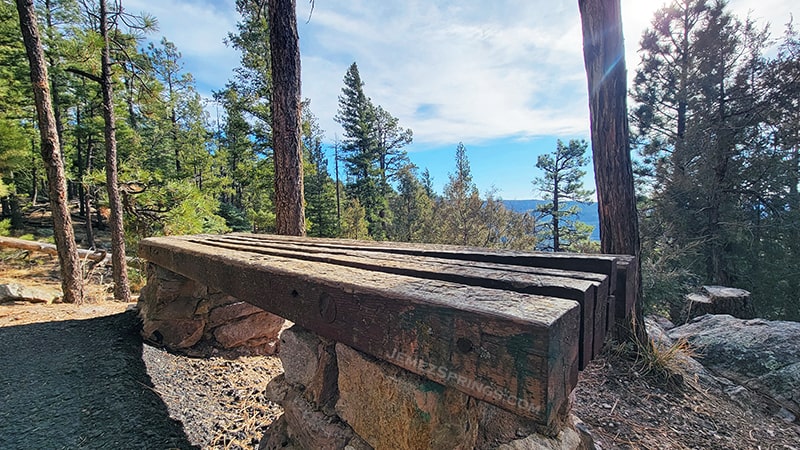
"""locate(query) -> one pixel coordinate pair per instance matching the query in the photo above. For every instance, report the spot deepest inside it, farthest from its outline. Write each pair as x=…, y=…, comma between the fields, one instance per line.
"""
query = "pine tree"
x=253, y=77
x=412, y=208
x=699, y=108
x=286, y=123
x=507, y=229
x=356, y=114
x=354, y=220
x=320, y=189
x=372, y=151
x=562, y=182
x=461, y=206
x=603, y=54
x=15, y=104
x=71, y=276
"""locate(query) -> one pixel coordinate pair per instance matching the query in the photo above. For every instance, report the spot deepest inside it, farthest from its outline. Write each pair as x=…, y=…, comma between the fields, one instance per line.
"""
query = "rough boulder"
x=762, y=356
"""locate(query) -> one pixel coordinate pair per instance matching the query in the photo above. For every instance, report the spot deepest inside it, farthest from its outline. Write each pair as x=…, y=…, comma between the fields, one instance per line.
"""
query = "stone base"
x=186, y=316
x=338, y=398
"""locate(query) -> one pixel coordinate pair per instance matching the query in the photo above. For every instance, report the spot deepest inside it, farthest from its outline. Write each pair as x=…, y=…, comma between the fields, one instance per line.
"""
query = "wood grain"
x=516, y=350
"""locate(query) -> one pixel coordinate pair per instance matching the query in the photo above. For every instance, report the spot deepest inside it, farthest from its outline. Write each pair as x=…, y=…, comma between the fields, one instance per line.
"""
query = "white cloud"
x=474, y=70
x=198, y=29
x=451, y=70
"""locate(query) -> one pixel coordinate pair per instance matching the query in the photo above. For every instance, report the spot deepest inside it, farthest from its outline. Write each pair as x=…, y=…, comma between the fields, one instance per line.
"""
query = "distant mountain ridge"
x=588, y=211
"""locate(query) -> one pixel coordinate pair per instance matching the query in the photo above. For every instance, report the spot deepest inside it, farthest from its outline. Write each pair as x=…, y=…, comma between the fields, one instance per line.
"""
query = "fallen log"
x=96, y=256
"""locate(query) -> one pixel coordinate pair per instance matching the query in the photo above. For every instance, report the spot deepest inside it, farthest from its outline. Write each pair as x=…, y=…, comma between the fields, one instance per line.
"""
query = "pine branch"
x=84, y=74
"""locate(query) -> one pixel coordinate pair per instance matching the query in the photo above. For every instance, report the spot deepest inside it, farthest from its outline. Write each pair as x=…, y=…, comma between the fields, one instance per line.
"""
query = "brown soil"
x=626, y=409
x=78, y=376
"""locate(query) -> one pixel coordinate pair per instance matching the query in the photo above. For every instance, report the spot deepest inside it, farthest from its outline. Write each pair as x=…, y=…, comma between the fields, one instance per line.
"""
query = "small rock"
x=229, y=312
x=12, y=291
x=174, y=334
x=785, y=415
x=256, y=326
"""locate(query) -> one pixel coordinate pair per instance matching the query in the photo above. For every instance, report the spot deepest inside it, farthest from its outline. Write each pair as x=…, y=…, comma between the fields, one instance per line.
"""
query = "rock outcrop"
x=760, y=355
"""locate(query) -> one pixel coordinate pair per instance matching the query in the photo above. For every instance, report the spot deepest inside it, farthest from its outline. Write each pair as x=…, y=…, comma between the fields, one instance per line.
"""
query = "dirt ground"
x=625, y=409
x=79, y=376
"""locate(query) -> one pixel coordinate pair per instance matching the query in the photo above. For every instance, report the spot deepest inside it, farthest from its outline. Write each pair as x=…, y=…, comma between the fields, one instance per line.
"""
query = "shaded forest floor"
x=79, y=376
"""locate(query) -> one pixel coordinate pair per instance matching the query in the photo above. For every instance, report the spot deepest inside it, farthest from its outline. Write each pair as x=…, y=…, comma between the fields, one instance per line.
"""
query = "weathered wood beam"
x=603, y=264
x=515, y=350
x=496, y=276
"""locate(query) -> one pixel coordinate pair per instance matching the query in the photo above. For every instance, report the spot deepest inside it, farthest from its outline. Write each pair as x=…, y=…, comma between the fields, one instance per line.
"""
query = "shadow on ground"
x=80, y=384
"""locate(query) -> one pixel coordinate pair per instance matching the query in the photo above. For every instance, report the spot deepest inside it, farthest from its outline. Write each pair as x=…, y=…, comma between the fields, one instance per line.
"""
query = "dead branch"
x=92, y=255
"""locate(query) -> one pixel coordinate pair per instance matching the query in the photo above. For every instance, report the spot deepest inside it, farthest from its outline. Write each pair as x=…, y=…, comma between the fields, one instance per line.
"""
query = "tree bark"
x=285, y=59
x=556, y=206
x=122, y=291
x=69, y=262
x=604, y=58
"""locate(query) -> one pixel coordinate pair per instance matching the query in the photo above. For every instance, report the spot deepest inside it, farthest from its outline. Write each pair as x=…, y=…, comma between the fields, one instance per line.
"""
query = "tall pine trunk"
x=556, y=210
x=604, y=58
x=71, y=277
x=119, y=264
x=285, y=59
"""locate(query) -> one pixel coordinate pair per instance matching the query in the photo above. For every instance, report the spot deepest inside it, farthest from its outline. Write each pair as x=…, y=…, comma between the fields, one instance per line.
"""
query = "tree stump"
x=719, y=300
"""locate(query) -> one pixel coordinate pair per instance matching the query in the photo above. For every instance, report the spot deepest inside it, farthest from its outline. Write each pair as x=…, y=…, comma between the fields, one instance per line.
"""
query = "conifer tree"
x=461, y=219
x=71, y=276
x=320, y=189
x=562, y=182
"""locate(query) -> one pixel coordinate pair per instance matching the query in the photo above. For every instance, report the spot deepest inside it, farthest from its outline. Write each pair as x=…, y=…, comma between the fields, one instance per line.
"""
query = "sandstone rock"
x=299, y=355
x=256, y=326
x=178, y=308
x=277, y=389
x=500, y=429
x=498, y=426
x=664, y=343
x=310, y=361
x=174, y=334
x=276, y=437
x=310, y=428
x=761, y=355
x=662, y=322
x=357, y=444
x=168, y=295
x=226, y=313
x=12, y=291
x=567, y=439
x=214, y=299
x=394, y=409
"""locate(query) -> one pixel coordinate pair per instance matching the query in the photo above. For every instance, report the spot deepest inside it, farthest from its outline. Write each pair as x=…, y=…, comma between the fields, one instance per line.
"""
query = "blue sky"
x=504, y=77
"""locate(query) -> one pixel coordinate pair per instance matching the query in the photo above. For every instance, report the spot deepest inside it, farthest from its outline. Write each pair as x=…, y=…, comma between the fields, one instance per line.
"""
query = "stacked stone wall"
x=187, y=316
x=339, y=398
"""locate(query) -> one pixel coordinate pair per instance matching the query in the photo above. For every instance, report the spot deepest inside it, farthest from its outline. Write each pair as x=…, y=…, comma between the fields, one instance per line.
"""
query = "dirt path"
x=80, y=384
x=79, y=376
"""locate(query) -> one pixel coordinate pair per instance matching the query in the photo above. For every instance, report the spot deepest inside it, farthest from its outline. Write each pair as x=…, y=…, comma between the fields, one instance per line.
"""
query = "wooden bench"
x=509, y=328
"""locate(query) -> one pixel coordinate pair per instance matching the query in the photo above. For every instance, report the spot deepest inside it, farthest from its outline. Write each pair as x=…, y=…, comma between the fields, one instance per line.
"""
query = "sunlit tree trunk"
x=119, y=264
x=286, y=124
x=71, y=277
x=604, y=58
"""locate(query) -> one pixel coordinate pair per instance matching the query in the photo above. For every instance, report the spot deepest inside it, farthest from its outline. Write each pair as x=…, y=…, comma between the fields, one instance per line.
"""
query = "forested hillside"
x=714, y=111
